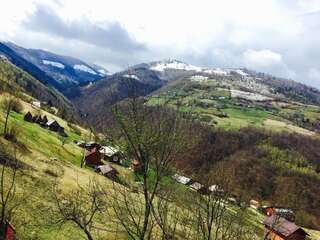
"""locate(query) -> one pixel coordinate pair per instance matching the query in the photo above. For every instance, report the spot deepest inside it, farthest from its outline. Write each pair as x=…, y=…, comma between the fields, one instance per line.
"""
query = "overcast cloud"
x=280, y=37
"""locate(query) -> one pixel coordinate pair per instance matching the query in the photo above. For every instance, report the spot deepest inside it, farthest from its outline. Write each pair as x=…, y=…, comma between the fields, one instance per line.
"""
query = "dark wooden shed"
x=93, y=158
x=28, y=117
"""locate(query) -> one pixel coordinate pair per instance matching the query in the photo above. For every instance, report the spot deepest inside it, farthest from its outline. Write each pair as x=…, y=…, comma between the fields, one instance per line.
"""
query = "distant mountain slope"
x=20, y=83
x=62, y=72
x=236, y=97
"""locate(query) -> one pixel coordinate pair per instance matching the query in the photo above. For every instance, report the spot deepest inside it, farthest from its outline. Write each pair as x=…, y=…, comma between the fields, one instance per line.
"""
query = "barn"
x=93, y=158
x=279, y=228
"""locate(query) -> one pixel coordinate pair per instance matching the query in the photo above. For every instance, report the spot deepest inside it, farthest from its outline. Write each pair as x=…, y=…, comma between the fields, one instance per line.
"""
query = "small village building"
x=111, y=154
x=38, y=119
x=107, y=171
x=44, y=119
x=279, y=211
x=254, y=204
x=278, y=228
x=36, y=104
x=28, y=117
x=182, y=179
x=93, y=158
x=199, y=188
x=54, y=126
x=35, y=118
x=91, y=145
x=215, y=189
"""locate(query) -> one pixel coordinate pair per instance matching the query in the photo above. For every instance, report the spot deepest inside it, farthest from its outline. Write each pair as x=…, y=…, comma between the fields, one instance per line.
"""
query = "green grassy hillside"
x=211, y=102
x=23, y=85
x=48, y=161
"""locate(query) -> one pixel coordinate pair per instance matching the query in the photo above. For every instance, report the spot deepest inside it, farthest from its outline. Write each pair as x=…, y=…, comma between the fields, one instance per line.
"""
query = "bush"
x=16, y=106
x=13, y=133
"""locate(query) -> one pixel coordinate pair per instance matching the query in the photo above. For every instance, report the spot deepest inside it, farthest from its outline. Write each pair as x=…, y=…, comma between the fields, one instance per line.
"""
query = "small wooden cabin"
x=278, y=228
x=28, y=117
x=54, y=126
x=93, y=158
x=107, y=171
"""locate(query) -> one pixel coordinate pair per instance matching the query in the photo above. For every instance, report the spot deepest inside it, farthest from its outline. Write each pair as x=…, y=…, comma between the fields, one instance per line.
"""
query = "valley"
x=248, y=136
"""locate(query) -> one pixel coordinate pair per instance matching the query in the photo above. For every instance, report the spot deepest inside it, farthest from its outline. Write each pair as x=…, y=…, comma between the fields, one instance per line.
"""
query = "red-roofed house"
x=278, y=228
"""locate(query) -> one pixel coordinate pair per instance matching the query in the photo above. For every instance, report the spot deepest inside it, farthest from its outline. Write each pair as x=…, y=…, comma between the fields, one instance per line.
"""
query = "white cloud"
x=280, y=37
x=261, y=58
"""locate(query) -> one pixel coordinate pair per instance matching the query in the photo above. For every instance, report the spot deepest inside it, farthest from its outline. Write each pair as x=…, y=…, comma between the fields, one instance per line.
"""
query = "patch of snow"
x=198, y=78
x=217, y=71
x=84, y=69
x=248, y=95
x=54, y=64
x=240, y=72
x=131, y=76
x=162, y=66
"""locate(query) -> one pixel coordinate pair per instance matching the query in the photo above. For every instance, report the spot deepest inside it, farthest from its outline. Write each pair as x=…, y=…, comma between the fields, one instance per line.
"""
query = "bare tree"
x=7, y=104
x=8, y=197
x=81, y=207
x=154, y=137
x=214, y=217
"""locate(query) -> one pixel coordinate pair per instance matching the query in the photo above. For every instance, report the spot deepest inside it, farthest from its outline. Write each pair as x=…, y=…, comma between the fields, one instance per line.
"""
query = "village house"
x=93, y=158
x=199, y=188
x=280, y=211
x=54, y=126
x=215, y=189
x=36, y=104
x=107, y=171
x=111, y=154
x=28, y=117
x=278, y=228
x=181, y=179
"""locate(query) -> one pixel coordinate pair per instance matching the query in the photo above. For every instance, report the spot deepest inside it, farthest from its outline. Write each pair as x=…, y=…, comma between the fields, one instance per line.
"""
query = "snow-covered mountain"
x=66, y=72
x=165, y=67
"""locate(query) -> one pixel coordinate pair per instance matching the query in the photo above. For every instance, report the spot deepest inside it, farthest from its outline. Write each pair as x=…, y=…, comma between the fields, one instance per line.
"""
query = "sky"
x=280, y=37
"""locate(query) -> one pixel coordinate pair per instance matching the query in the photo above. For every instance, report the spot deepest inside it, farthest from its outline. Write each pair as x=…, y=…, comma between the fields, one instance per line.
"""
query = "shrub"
x=13, y=133
x=16, y=106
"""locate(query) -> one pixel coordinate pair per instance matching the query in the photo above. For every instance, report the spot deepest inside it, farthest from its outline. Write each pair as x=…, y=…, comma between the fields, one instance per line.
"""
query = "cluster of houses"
x=196, y=186
x=95, y=154
x=278, y=223
x=52, y=125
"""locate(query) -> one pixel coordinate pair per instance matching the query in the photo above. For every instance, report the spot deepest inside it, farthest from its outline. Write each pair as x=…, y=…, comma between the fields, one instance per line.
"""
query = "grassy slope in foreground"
x=42, y=146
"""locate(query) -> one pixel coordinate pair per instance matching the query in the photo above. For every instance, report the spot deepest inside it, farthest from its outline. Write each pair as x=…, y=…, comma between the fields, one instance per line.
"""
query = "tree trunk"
x=88, y=234
x=6, y=121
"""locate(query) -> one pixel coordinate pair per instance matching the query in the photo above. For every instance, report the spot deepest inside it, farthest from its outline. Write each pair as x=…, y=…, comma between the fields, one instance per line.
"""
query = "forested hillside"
x=22, y=84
